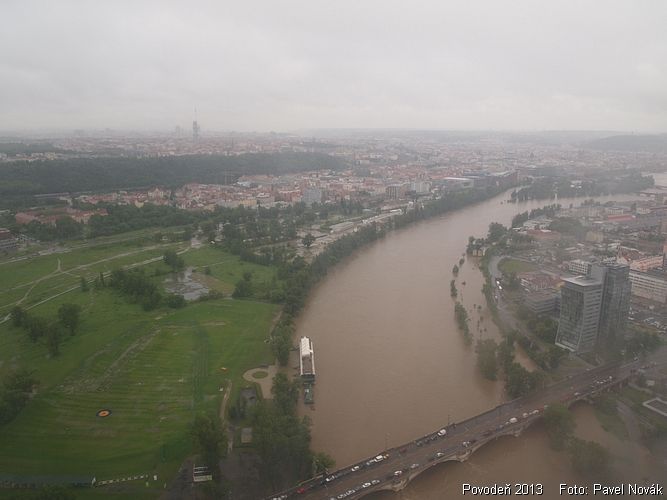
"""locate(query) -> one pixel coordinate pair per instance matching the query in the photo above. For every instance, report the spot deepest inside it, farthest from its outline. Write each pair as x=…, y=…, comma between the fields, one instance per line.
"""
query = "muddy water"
x=529, y=459
x=185, y=284
x=391, y=363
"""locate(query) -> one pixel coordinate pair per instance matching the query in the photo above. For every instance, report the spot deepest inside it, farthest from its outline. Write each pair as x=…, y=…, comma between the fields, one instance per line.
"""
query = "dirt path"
x=264, y=383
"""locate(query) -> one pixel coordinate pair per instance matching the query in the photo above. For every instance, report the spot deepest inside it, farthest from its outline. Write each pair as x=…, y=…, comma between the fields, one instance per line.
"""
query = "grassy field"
x=39, y=277
x=153, y=370
x=508, y=266
x=228, y=269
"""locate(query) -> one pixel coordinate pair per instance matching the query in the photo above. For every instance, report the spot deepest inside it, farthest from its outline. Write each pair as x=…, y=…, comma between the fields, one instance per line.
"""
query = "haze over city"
x=284, y=66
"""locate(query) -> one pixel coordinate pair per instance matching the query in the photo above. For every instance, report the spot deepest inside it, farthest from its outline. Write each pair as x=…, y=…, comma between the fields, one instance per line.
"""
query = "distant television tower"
x=195, y=128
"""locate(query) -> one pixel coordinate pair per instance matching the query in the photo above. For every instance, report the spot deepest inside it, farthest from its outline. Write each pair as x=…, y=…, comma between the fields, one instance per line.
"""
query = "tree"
x=207, y=270
x=53, y=340
x=589, y=458
x=175, y=301
x=69, y=316
x=281, y=438
x=505, y=352
x=560, y=425
x=308, y=240
x=461, y=316
x=285, y=394
x=84, y=284
x=486, y=358
x=496, y=231
x=452, y=288
x=173, y=260
x=151, y=300
x=520, y=381
x=210, y=440
x=66, y=227
x=15, y=393
x=322, y=463
x=37, y=327
x=455, y=270
x=281, y=341
x=243, y=289
x=18, y=315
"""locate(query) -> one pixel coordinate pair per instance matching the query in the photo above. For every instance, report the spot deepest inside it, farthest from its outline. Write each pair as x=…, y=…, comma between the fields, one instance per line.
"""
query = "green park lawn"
x=509, y=266
x=153, y=370
x=228, y=269
x=40, y=277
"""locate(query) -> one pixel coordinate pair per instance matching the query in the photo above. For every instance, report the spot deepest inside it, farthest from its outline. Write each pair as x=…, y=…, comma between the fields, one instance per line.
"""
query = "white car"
x=355, y=468
x=442, y=432
x=366, y=485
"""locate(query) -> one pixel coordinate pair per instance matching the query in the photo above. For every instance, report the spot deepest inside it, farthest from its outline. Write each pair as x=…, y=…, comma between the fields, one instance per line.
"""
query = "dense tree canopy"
x=111, y=173
x=560, y=425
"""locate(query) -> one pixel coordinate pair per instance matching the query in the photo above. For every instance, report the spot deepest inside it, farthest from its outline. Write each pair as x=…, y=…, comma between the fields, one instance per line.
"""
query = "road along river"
x=391, y=363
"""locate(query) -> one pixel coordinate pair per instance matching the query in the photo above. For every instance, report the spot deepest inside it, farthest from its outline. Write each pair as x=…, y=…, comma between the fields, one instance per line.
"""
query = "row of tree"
x=601, y=184
x=282, y=439
x=461, y=316
x=589, y=458
x=547, y=210
x=494, y=358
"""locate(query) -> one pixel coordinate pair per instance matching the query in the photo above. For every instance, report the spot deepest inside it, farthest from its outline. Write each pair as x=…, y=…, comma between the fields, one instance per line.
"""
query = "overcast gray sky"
x=284, y=65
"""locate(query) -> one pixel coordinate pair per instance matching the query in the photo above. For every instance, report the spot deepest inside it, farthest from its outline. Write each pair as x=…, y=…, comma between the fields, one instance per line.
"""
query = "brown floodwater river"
x=392, y=365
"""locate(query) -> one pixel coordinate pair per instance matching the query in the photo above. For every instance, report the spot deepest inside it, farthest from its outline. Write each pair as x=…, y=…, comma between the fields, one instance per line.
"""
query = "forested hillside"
x=101, y=174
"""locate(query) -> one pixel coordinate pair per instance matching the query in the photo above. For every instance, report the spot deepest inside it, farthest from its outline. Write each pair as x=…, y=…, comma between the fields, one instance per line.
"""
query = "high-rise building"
x=616, y=289
x=195, y=131
x=195, y=128
x=581, y=299
x=594, y=309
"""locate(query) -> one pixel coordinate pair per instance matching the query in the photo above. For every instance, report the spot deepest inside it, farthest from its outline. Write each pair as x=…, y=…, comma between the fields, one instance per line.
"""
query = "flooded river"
x=391, y=363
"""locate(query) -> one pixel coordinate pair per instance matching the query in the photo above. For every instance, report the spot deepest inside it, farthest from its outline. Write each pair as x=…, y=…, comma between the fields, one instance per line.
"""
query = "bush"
x=175, y=301
x=243, y=289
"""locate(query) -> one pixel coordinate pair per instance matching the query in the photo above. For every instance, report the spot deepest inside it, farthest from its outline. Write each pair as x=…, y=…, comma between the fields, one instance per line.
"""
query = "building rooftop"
x=583, y=281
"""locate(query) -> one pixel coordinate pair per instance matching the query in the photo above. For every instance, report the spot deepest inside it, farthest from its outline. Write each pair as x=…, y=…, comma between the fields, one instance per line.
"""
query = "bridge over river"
x=392, y=469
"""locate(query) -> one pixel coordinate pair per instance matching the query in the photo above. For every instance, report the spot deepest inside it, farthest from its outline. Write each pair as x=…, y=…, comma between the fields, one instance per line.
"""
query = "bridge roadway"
x=460, y=440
